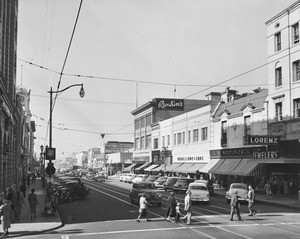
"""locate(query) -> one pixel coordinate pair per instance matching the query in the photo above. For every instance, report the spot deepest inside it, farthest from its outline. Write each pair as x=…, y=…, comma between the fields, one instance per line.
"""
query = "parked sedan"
x=140, y=178
x=168, y=185
x=160, y=181
x=128, y=178
x=182, y=184
x=199, y=192
x=153, y=196
x=242, y=189
x=151, y=178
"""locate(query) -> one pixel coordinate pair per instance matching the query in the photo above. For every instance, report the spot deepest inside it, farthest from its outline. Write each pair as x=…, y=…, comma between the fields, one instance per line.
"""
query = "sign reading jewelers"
x=169, y=104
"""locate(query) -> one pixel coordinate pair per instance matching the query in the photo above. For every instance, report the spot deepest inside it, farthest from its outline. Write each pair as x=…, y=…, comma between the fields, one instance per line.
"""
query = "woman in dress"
x=5, y=215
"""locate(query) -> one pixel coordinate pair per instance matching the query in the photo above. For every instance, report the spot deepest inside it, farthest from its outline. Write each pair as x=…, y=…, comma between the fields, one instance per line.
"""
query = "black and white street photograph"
x=130, y=119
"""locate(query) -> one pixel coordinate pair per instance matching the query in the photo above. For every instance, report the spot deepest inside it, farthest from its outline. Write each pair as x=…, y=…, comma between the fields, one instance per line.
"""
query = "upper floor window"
x=204, y=134
x=137, y=124
x=143, y=121
x=296, y=70
x=277, y=41
x=247, y=125
x=148, y=141
x=224, y=133
x=168, y=139
x=189, y=136
x=278, y=110
x=137, y=143
x=174, y=139
x=295, y=33
x=195, y=135
x=297, y=108
x=278, y=76
x=163, y=141
x=148, y=120
x=143, y=142
x=179, y=138
x=155, y=143
x=183, y=137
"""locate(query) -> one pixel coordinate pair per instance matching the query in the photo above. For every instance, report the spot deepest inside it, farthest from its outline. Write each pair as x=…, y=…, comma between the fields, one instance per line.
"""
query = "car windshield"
x=198, y=187
x=147, y=186
x=239, y=186
x=183, y=180
x=161, y=179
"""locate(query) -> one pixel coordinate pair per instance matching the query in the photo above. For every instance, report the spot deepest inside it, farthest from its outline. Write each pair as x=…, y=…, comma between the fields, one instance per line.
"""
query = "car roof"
x=198, y=184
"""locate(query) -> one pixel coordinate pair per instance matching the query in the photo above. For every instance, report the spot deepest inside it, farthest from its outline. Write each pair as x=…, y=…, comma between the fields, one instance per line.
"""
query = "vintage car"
x=209, y=185
x=151, y=178
x=152, y=195
x=129, y=177
x=242, y=189
x=182, y=184
x=160, y=181
x=168, y=185
x=199, y=192
x=140, y=178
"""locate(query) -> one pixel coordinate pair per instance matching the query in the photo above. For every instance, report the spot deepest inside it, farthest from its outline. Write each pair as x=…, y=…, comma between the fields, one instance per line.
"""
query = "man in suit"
x=251, y=197
x=235, y=206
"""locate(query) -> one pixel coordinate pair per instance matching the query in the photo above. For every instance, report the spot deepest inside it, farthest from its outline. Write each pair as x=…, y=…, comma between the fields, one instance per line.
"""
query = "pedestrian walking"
x=187, y=207
x=33, y=202
x=178, y=213
x=251, y=197
x=5, y=210
x=12, y=198
x=23, y=189
x=235, y=206
x=274, y=189
x=28, y=179
x=33, y=177
x=143, y=208
x=19, y=202
x=171, y=204
x=267, y=189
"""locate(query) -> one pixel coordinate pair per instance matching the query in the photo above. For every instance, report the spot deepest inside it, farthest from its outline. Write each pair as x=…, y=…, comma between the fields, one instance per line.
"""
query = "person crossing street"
x=251, y=197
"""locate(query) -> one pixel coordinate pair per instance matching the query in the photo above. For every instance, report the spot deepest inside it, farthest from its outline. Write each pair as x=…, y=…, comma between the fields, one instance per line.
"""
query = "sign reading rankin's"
x=169, y=104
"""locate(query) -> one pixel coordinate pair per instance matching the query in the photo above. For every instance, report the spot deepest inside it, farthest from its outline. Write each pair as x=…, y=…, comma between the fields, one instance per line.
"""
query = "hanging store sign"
x=169, y=104
x=265, y=155
x=263, y=140
x=190, y=159
x=236, y=152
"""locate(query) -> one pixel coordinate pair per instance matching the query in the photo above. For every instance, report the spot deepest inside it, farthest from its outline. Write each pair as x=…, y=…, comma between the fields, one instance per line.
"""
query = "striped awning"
x=226, y=166
x=128, y=168
x=171, y=168
x=142, y=166
x=160, y=167
x=151, y=167
x=183, y=168
x=209, y=165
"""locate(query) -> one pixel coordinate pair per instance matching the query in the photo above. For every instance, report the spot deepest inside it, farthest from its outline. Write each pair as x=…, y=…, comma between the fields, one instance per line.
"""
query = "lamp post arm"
x=60, y=91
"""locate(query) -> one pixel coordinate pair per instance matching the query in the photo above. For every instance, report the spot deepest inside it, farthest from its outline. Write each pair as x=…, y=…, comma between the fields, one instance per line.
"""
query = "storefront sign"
x=263, y=140
x=265, y=155
x=277, y=129
x=190, y=159
x=169, y=104
x=235, y=152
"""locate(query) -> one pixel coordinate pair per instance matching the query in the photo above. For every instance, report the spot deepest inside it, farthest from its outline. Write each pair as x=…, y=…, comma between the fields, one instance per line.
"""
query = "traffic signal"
x=50, y=169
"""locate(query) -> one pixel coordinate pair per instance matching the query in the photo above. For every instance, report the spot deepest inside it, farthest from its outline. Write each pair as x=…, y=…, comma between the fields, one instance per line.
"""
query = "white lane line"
x=237, y=234
x=202, y=233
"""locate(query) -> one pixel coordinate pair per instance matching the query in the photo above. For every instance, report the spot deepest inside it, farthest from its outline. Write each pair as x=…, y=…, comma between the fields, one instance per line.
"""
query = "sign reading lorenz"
x=263, y=139
x=169, y=104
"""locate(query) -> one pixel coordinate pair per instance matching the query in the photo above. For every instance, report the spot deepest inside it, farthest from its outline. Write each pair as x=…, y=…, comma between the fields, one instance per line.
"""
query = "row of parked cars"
x=201, y=190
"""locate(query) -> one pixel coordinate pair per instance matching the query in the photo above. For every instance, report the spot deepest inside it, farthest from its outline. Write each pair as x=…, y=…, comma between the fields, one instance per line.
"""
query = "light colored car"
x=160, y=181
x=128, y=178
x=151, y=178
x=242, y=189
x=199, y=192
x=122, y=176
x=209, y=185
x=140, y=178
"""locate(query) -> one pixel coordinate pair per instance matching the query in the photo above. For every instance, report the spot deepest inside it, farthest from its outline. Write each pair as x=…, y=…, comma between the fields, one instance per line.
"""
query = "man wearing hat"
x=235, y=206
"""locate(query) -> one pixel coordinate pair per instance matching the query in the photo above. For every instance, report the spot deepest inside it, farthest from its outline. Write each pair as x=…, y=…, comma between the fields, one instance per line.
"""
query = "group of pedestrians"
x=173, y=208
x=11, y=206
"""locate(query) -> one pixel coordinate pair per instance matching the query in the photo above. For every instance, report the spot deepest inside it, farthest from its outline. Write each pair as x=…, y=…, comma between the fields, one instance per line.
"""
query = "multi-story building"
x=8, y=104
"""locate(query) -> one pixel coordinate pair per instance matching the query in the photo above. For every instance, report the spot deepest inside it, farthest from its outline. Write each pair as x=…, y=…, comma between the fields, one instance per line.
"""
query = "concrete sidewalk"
x=42, y=223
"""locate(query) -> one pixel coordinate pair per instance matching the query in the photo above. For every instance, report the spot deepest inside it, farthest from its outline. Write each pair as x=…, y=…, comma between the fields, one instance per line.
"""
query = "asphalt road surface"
x=109, y=214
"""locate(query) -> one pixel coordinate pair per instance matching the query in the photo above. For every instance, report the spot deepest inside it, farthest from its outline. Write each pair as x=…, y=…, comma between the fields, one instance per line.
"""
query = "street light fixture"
x=81, y=94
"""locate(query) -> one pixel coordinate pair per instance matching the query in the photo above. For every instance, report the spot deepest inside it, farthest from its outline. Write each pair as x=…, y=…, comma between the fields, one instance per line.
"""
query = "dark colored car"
x=168, y=185
x=182, y=184
x=151, y=193
x=151, y=178
x=160, y=181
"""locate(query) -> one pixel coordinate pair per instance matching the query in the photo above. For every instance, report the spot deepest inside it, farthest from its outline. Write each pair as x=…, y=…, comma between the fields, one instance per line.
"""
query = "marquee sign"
x=169, y=104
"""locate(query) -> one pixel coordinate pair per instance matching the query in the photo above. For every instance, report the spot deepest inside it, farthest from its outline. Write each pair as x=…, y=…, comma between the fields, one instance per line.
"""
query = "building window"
x=295, y=32
x=278, y=110
x=163, y=141
x=195, y=135
x=137, y=143
x=174, y=139
x=189, y=136
x=224, y=133
x=143, y=121
x=143, y=142
x=278, y=76
x=297, y=108
x=296, y=70
x=148, y=141
x=204, y=134
x=155, y=143
x=137, y=124
x=247, y=125
x=168, y=139
x=179, y=138
x=148, y=120
x=277, y=41
x=183, y=137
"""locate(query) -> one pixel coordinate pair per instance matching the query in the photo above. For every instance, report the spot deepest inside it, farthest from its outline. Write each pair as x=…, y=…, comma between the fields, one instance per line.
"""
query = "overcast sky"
x=134, y=51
